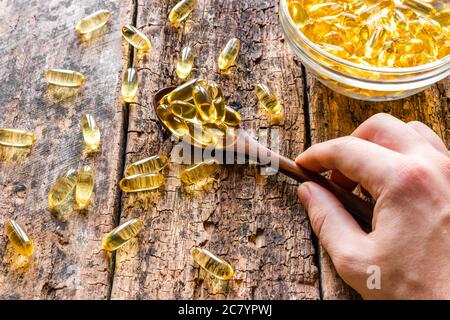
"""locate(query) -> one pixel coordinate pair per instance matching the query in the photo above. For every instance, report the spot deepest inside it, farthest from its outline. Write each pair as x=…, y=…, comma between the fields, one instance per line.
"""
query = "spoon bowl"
x=245, y=145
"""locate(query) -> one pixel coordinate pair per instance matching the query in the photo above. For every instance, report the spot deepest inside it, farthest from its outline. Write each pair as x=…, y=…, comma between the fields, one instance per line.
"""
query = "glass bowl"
x=356, y=80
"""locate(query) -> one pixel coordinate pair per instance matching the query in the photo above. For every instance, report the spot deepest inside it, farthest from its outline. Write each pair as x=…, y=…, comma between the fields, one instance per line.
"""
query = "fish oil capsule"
x=16, y=138
x=267, y=99
x=185, y=63
x=62, y=190
x=214, y=90
x=420, y=6
x=232, y=117
x=298, y=14
x=203, y=103
x=229, y=53
x=200, y=174
x=324, y=9
x=93, y=21
x=375, y=43
x=152, y=164
x=130, y=85
x=183, y=109
x=219, y=105
x=20, y=240
x=200, y=137
x=122, y=234
x=141, y=182
x=443, y=17
x=176, y=125
x=64, y=78
x=181, y=11
x=215, y=266
x=84, y=186
x=224, y=135
x=183, y=92
x=91, y=133
x=136, y=38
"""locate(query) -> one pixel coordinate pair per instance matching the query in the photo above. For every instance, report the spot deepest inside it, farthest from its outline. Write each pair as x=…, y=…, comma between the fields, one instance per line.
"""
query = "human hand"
x=406, y=168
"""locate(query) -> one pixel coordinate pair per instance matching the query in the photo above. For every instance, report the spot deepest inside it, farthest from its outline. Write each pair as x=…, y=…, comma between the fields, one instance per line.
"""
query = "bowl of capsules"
x=371, y=50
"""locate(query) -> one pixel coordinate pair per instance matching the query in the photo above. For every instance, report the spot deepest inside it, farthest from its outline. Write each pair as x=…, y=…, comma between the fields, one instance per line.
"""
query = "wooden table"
x=254, y=221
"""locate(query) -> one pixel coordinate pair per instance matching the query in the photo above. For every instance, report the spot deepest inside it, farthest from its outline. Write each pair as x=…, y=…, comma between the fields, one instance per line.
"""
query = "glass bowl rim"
x=445, y=61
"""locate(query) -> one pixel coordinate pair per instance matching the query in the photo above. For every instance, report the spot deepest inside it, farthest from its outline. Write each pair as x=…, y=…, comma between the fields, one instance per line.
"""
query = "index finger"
x=362, y=161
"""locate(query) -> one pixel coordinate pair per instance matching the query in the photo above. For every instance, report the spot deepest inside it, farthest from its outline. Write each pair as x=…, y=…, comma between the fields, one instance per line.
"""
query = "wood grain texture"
x=333, y=115
x=254, y=222
x=68, y=262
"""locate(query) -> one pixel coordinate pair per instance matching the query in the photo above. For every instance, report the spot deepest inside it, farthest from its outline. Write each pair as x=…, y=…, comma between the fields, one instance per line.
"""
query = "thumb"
x=339, y=233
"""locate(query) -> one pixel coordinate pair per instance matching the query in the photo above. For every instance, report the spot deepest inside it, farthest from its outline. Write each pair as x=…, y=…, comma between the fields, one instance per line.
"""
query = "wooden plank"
x=254, y=222
x=333, y=115
x=68, y=262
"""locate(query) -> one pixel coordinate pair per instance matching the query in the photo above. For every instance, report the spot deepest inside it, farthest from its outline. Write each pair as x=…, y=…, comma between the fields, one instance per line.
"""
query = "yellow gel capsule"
x=122, y=234
x=20, y=240
x=141, y=182
x=203, y=103
x=421, y=6
x=148, y=165
x=62, y=189
x=91, y=133
x=136, y=38
x=214, y=90
x=181, y=11
x=130, y=85
x=183, y=92
x=84, y=187
x=176, y=125
x=224, y=135
x=93, y=21
x=375, y=43
x=324, y=9
x=214, y=265
x=200, y=174
x=443, y=17
x=64, y=78
x=267, y=99
x=183, y=110
x=200, y=137
x=16, y=138
x=229, y=53
x=232, y=117
x=219, y=105
x=298, y=14
x=185, y=63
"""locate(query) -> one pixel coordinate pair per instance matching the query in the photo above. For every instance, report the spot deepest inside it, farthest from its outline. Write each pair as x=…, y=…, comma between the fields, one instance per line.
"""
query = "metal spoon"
x=245, y=145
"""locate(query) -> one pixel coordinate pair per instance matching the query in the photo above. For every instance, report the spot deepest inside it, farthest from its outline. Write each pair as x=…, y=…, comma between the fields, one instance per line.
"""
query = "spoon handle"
x=357, y=207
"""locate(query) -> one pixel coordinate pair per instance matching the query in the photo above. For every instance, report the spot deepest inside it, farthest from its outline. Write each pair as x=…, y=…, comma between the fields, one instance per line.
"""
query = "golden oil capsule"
x=16, y=138
x=176, y=125
x=62, y=190
x=223, y=134
x=84, y=187
x=229, y=53
x=91, y=133
x=324, y=9
x=203, y=103
x=232, y=117
x=93, y=22
x=122, y=234
x=200, y=137
x=267, y=99
x=64, y=78
x=130, y=85
x=219, y=105
x=298, y=14
x=200, y=174
x=214, y=90
x=181, y=11
x=136, y=38
x=185, y=63
x=214, y=265
x=183, y=92
x=20, y=240
x=183, y=109
x=443, y=17
x=152, y=164
x=375, y=43
x=141, y=182
x=421, y=6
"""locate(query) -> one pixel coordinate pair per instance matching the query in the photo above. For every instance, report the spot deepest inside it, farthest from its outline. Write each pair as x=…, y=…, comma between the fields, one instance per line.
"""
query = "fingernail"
x=304, y=194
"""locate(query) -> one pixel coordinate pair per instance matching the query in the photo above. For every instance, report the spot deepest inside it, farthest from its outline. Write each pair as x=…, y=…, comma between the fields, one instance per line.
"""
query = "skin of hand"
x=405, y=167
